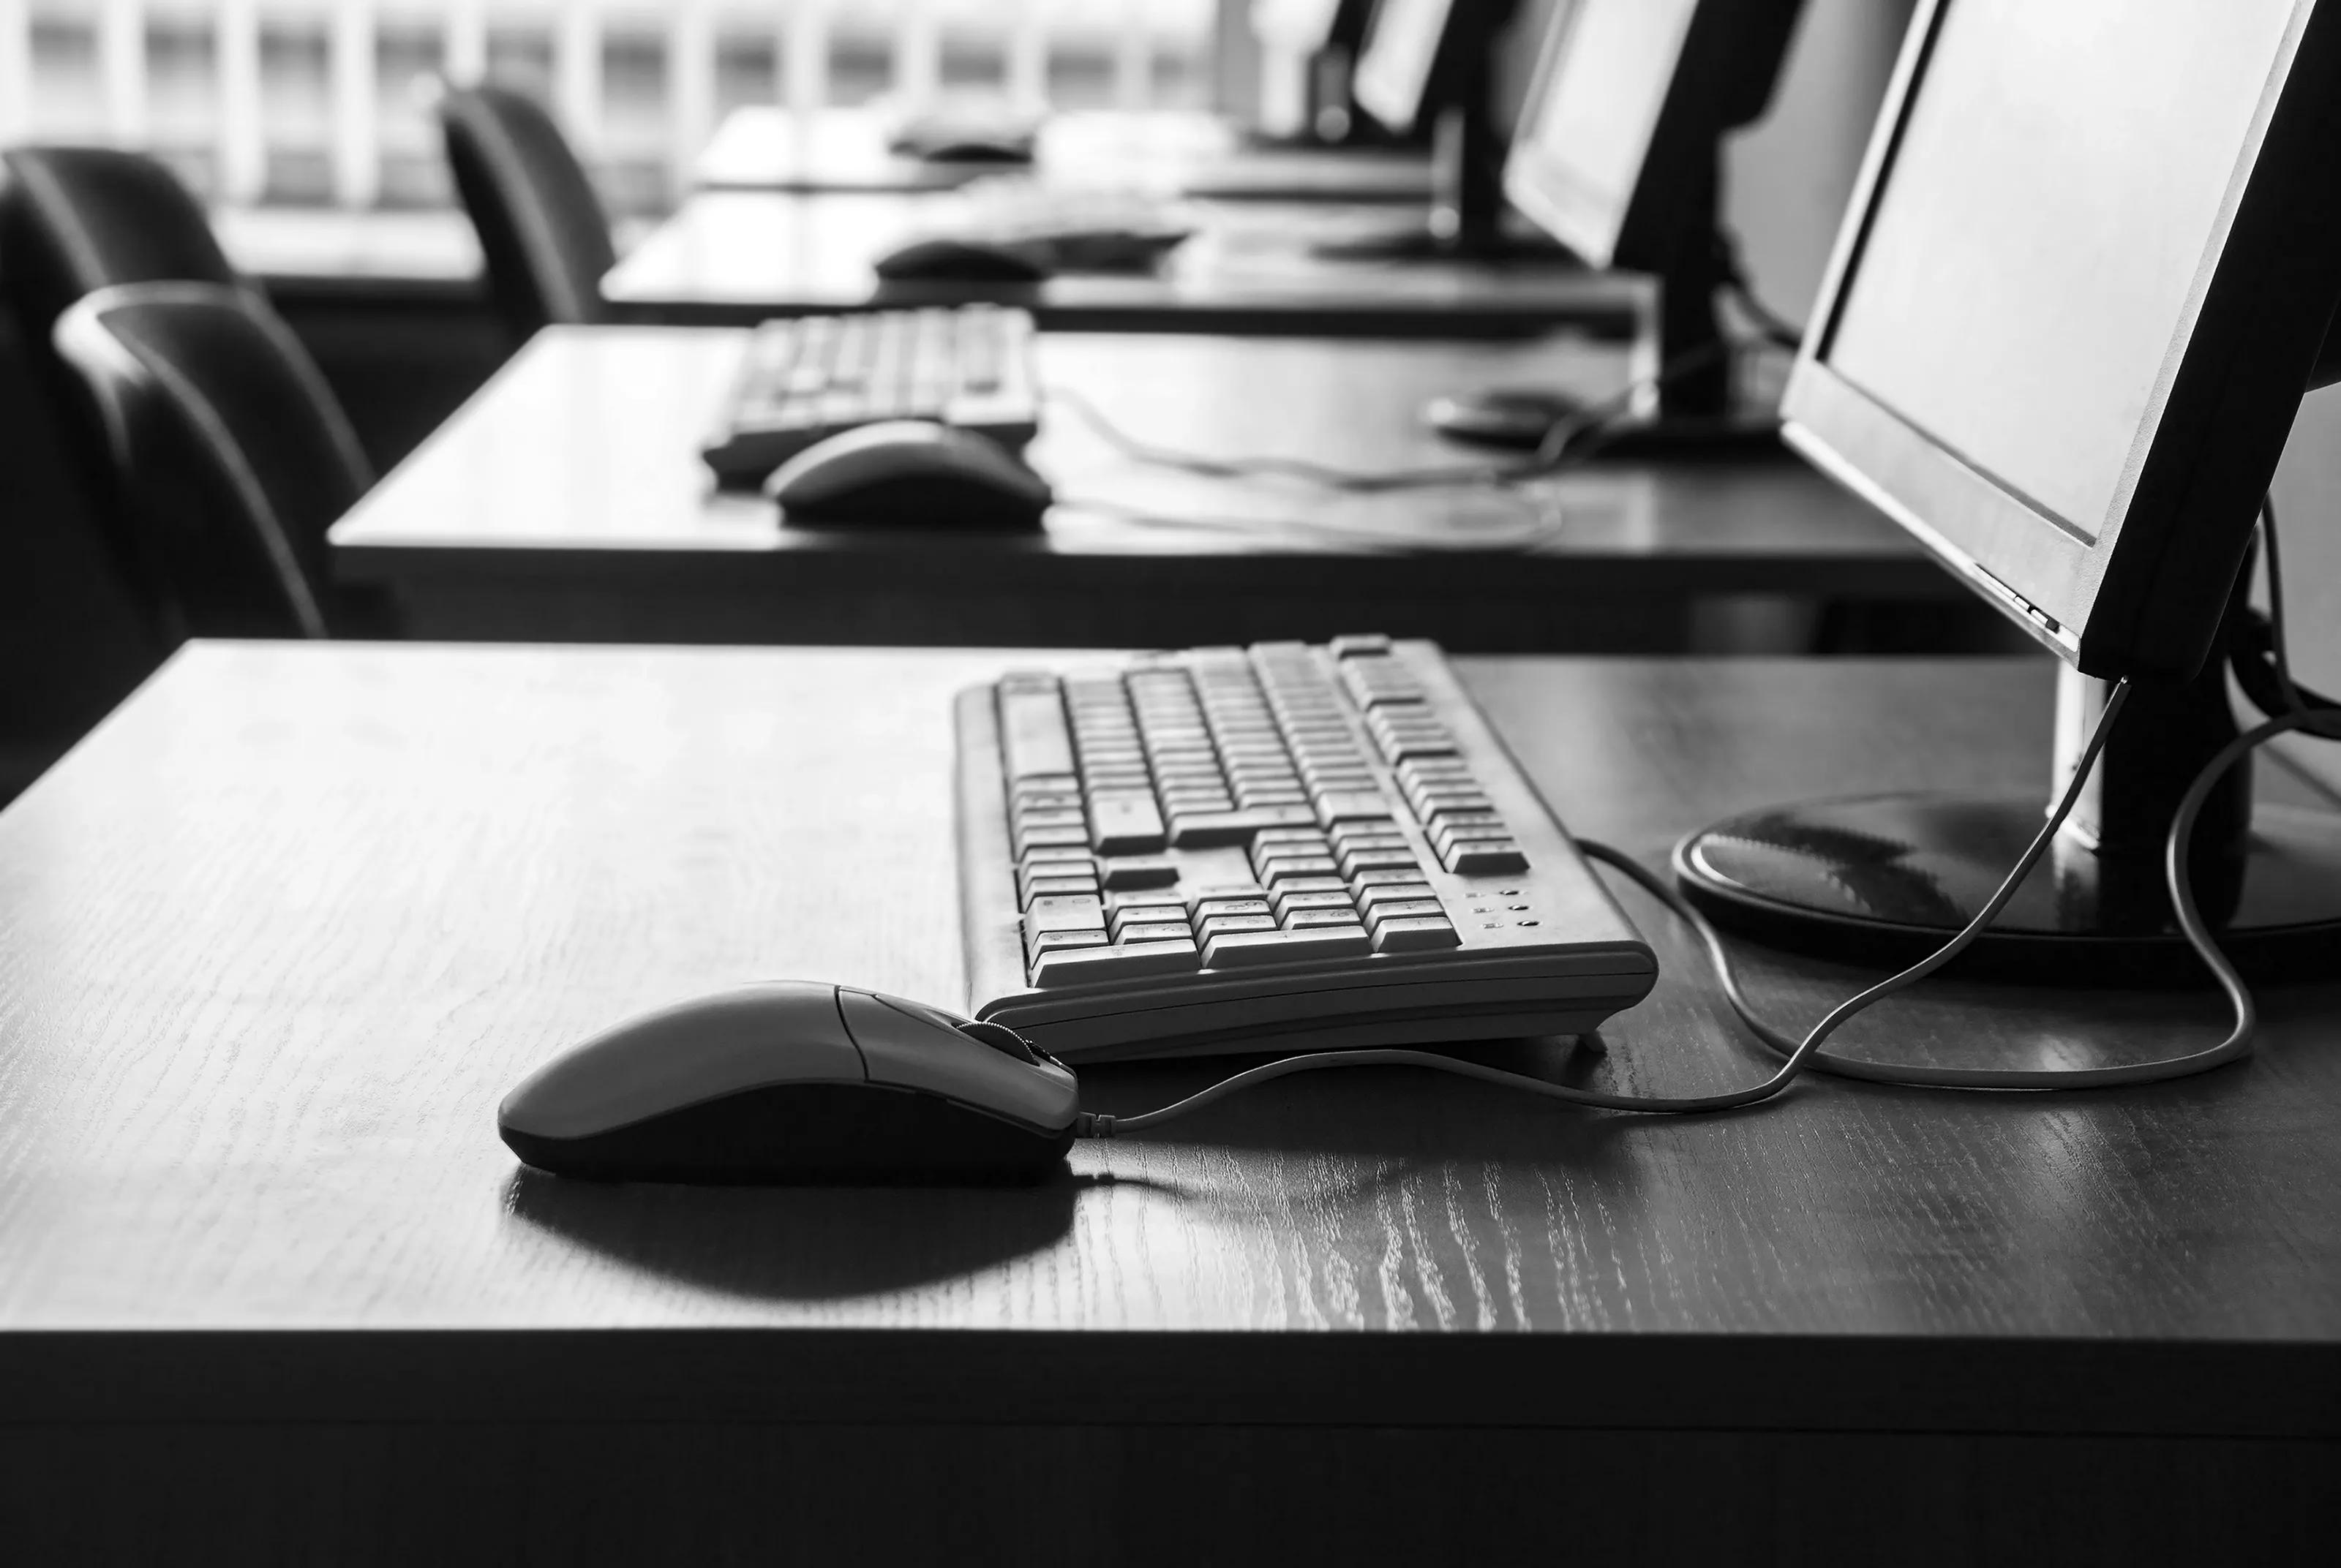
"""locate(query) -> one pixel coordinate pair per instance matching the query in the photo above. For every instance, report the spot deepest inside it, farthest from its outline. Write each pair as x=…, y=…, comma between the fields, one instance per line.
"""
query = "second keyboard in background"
x=813, y=377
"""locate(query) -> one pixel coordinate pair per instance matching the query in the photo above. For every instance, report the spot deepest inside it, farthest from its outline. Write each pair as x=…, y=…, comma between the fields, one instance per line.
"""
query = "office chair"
x=74, y=220
x=541, y=227
x=230, y=456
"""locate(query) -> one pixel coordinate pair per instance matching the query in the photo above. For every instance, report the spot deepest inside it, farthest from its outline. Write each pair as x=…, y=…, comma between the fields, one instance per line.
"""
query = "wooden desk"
x=283, y=931
x=730, y=257
x=766, y=147
x=568, y=502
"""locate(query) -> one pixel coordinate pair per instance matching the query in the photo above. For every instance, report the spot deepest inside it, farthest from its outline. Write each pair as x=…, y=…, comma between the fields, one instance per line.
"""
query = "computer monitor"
x=1327, y=37
x=1437, y=68
x=1409, y=50
x=2091, y=266
x=1617, y=155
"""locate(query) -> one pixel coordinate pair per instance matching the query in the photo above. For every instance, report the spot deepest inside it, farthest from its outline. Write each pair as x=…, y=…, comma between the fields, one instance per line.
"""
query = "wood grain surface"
x=567, y=502
x=731, y=257
x=276, y=938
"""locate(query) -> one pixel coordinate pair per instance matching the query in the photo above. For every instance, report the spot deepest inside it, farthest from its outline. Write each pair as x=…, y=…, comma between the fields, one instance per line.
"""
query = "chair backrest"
x=74, y=220
x=541, y=227
x=231, y=456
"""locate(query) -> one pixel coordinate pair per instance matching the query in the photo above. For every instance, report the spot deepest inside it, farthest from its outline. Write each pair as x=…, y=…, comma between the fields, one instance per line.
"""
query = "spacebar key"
x=1139, y=960
x=1242, y=950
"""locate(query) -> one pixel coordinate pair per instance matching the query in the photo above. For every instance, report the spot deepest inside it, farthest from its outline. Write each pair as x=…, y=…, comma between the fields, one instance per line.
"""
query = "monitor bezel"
x=1712, y=89
x=2141, y=591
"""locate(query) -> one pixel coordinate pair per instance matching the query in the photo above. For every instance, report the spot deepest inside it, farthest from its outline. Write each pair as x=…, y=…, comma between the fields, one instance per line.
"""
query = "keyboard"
x=1070, y=228
x=1275, y=847
x=805, y=380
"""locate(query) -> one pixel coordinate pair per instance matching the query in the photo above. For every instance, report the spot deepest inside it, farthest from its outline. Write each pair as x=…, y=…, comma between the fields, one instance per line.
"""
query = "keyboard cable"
x=2301, y=710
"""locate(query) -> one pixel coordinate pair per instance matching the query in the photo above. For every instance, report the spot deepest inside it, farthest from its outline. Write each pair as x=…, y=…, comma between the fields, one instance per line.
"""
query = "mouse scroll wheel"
x=1000, y=1039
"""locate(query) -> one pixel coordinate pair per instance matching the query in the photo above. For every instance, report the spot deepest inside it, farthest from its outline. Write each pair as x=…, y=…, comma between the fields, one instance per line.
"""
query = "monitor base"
x=1515, y=418
x=1883, y=881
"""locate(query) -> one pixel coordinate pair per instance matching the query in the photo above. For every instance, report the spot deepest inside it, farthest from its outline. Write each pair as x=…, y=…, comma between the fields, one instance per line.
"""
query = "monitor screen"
x=2033, y=264
x=1401, y=48
x=1588, y=125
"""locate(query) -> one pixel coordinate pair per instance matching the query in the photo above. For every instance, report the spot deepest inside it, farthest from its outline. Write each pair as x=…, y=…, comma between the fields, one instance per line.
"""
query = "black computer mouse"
x=973, y=149
x=797, y=1082
x=909, y=473
x=939, y=258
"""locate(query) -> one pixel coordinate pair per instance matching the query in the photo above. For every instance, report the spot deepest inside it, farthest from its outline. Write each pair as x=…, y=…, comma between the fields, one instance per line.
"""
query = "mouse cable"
x=1570, y=442
x=1440, y=537
x=1800, y=1053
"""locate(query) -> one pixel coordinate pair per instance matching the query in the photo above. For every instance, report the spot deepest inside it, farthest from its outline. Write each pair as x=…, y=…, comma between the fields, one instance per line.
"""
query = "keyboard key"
x=1073, y=967
x=1366, y=880
x=1212, y=925
x=1202, y=829
x=1294, y=903
x=1318, y=919
x=1024, y=841
x=1394, y=892
x=1447, y=834
x=1358, y=645
x=1072, y=912
x=1052, y=941
x=1032, y=730
x=1404, y=909
x=1357, y=862
x=1207, y=908
x=1141, y=871
x=1292, y=886
x=1156, y=931
x=1280, y=867
x=1125, y=824
x=1352, y=805
x=1247, y=948
x=1475, y=860
x=1058, y=886
x=1418, y=934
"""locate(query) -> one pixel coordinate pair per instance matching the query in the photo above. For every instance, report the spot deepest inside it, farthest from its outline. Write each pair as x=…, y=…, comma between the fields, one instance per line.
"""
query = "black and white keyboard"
x=1274, y=847
x=806, y=379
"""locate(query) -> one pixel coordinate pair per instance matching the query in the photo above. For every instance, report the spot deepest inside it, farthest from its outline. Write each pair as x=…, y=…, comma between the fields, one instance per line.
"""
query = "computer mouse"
x=909, y=473
x=797, y=1082
x=944, y=259
x=973, y=149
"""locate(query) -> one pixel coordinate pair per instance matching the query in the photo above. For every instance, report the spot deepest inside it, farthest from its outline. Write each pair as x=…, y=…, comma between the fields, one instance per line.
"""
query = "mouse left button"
x=682, y=1055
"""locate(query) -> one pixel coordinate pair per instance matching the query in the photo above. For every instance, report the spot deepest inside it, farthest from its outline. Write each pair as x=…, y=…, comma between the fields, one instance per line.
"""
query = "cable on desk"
x=1569, y=442
x=1807, y=1052
x=1435, y=537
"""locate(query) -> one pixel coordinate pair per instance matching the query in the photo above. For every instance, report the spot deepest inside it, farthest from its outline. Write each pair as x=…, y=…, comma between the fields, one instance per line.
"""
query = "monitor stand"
x=1705, y=410
x=1466, y=221
x=1883, y=881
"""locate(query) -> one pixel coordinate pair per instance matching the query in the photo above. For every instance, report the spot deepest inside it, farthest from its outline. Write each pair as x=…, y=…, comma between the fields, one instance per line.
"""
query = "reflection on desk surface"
x=834, y=149
x=736, y=255
x=590, y=441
